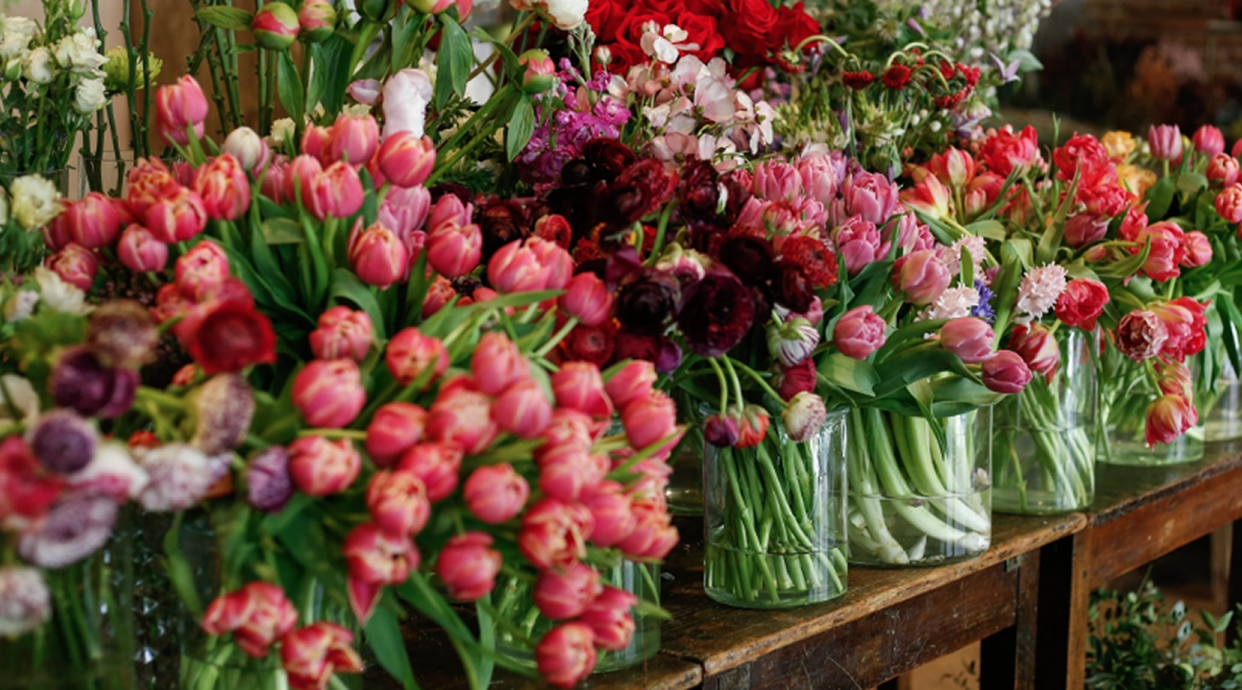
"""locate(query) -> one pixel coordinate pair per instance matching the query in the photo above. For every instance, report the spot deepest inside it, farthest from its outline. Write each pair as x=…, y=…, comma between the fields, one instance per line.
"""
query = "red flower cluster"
x=896, y=77
x=961, y=80
x=857, y=80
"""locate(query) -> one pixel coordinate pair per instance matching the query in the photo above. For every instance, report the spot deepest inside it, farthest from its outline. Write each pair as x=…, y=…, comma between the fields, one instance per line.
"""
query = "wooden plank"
x=723, y=638
x=1007, y=660
x=1120, y=490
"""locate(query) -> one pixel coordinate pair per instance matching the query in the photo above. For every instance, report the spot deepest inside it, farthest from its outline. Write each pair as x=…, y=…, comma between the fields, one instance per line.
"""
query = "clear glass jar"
x=685, y=485
x=775, y=519
x=915, y=499
x=103, y=173
x=1126, y=390
x=1222, y=405
x=1044, y=448
x=514, y=604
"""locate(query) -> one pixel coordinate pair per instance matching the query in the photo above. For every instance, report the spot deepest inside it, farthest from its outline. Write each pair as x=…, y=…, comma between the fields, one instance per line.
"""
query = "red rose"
x=712, y=8
x=702, y=30
x=1086, y=151
x=1081, y=303
x=228, y=336
x=605, y=17
x=793, y=26
x=747, y=26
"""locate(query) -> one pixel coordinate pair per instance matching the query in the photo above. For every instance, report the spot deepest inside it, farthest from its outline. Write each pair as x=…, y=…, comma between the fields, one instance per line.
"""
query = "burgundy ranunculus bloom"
x=706, y=237
x=460, y=190
x=589, y=343
x=502, y=223
x=636, y=346
x=608, y=157
x=645, y=304
x=578, y=204
x=578, y=171
x=699, y=192
x=81, y=382
x=638, y=191
x=737, y=186
x=622, y=265
x=717, y=314
x=749, y=257
x=228, y=337
x=796, y=289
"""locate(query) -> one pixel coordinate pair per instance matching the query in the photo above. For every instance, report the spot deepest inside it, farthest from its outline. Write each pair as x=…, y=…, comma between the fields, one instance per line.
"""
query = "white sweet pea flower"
x=89, y=96
x=666, y=45
x=19, y=307
x=406, y=95
x=59, y=295
x=35, y=201
x=39, y=66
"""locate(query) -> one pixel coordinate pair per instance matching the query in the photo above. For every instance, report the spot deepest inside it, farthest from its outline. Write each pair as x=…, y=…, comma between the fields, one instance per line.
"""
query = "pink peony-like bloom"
x=75, y=265
x=224, y=188
x=1082, y=229
x=1168, y=417
x=870, y=195
x=1038, y=348
x=1222, y=170
x=858, y=244
x=859, y=332
x=1141, y=335
x=776, y=180
x=176, y=216
x=920, y=277
x=1229, y=203
x=1198, y=249
x=554, y=533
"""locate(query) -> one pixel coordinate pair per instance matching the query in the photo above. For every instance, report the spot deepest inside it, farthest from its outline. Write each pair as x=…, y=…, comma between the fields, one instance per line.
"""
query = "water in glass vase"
x=1127, y=388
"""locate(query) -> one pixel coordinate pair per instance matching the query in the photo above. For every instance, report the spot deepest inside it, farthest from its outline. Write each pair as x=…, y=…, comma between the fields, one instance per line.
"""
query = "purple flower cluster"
x=584, y=113
x=984, y=309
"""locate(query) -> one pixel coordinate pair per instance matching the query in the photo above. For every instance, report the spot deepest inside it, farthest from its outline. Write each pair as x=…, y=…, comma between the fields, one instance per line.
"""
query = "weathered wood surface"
x=888, y=622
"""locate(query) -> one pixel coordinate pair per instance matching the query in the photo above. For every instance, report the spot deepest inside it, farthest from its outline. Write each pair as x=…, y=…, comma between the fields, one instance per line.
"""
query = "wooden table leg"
x=1235, y=577
x=1061, y=646
x=1007, y=659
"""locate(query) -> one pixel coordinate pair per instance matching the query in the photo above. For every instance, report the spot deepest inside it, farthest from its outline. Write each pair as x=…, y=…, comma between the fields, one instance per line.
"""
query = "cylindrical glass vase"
x=1044, y=448
x=1126, y=391
x=917, y=498
x=103, y=173
x=514, y=603
x=684, y=492
x=1222, y=406
x=775, y=519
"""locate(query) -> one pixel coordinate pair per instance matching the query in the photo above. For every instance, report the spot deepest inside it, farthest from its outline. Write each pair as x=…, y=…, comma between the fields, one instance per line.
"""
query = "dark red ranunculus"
x=699, y=191
x=796, y=289
x=638, y=191
x=737, y=186
x=717, y=313
x=814, y=258
x=578, y=172
x=589, y=343
x=608, y=157
x=644, y=305
x=799, y=378
x=228, y=337
x=502, y=222
x=750, y=258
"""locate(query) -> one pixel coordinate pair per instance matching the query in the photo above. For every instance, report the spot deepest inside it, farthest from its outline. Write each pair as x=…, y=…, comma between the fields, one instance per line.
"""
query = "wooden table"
x=1139, y=515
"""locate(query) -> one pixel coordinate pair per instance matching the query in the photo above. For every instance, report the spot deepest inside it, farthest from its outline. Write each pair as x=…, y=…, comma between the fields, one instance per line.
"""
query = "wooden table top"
x=1120, y=490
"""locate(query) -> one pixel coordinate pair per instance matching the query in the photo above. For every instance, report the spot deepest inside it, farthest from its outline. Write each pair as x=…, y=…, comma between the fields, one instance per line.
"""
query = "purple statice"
x=984, y=309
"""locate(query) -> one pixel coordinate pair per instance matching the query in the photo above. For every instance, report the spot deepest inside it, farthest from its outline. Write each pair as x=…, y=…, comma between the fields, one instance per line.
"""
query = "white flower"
x=15, y=40
x=80, y=53
x=951, y=257
x=953, y=303
x=667, y=44
x=1039, y=290
x=59, y=295
x=565, y=14
x=179, y=476
x=20, y=25
x=406, y=95
x=25, y=603
x=356, y=109
x=113, y=473
x=39, y=67
x=89, y=96
x=283, y=130
x=17, y=392
x=35, y=201
x=20, y=306
x=4, y=208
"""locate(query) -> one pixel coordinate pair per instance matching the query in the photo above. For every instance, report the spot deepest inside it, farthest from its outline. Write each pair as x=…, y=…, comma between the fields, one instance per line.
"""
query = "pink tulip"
x=776, y=180
x=462, y=416
x=859, y=332
x=613, y=516
x=75, y=265
x=649, y=419
x=821, y=177
x=557, y=264
x=804, y=416
x=375, y=558
x=275, y=26
x=454, y=250
x=329, y=393
x=405, y=211
x=1209, y=141
x=920, y=277
x=954, y=167
x=92, y=221
x=497, y=363
x=398, y=502
x=300, y=177
x=1141, y=335
x=554, y=533
x=929, y=197
x=311, y=654
x=870, y=195
x=633, y=381
x=1038, y=347
x=653, y=536
x=250, y=150
x=523, y=409
x=1168, y=417
x=566, y=654
x=858, y=244
x=567, y=471
x=587, y=299
x=146, y=182
x=1229, y=203
x=177, y=216
x=450, y=210
x=342, y=332
x=529, y=265
x=319, y=467
x=410, y=353
x=495, y=493
x=274, y=185
x=436, y=464
x=353, y=139
x=467, y=565
x=180, y=106
x=335, y=192
x=578, y=385
x=1165, y=142
x=139, y=251
x=969, y=338
x=224, y=188
x=407, y=160
x=569, y=427
x=1222, y=169
x=258, y=615
x=609, y=618
x=201, y=270
x=377, y=255
x=1198, y=249
x=565, y=593
x=394, y=429
x=1005, y=372
x=1083, y=229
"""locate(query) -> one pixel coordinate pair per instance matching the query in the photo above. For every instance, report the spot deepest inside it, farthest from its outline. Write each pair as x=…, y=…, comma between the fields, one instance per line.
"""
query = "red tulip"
x=467, y=565
x=495, y=493
x=394, y=429
x=565, y=593
x=319, y=467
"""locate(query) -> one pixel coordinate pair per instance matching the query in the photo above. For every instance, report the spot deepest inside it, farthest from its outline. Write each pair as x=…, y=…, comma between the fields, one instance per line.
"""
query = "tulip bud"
x=375, y=558
x=398, y=502
x=1229, y=203
x=1141, y=335
x=93, y=221
x=201, y=270
x=394, y=429
x=523, y=409
x=63, y=441
x=311, y=654
x=1198, y=249
x=250, y=150
x=611, y=511
x=554, y=533
x=566, y=593
x=377, y=255
x=540, y=71
x=319, y=467
x=649, y=419
x=752, y=425
x=566, y=654
x=342, y=333
x=177, y=216
x=139, y=251
x=352, y=139
x=177, y=108
x=410, y=353
x=1037, y=347
x=633, y=381
x=566, y=471
x=793, y=341
x=406, y=160
x=495, y=493
x=275, y=26
x=1165, y=142
x=859, y=332
x=335, y=192
x=75, y=265
x=300, y=176
x=609, y=618
x=27, y=600
x=920, y=277
x=720, y=430
x=329, y=393
x=317, y=21
x=529, y=265
x=587, y=299
x=1209, y=141
x=578, y=385
x=804, y=416
x=1222, y=169
x=454, y=250
x=268, y=484
x=1168, y=417
x=969, y=338
x=436, y=464
x=224, y=188
x=497, y=363
x=467, y=565
x=1005, y=372
x=464, y=417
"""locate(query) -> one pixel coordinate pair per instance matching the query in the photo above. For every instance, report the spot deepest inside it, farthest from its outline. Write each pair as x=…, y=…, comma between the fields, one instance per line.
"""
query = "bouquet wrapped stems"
x=775, y=520
x=913, y=499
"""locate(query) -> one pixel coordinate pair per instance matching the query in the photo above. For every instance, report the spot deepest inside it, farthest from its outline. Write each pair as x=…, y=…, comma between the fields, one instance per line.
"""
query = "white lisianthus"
x=80, y=53
x=20, y=25
x=14, y=45
x=565, y=14
x=4, y=208
x=40, y=68
x=19, y=307
x=406, y=95
x=59, y=295
x=36, y=201
x=89, y=96
x=283, y=130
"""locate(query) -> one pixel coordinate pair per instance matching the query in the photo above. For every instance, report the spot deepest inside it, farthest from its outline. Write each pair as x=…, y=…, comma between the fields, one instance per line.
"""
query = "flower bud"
x=275, y=26
x=342, y=333
x=467, y=565
x=268, y=484
x=436, y=464
x=406, y=160
x=394, y=429
x=859, y=332
x=177, y=216
x=566, y=654
x=178, y=107
x=200, y=270
x=410, y=353
x=609, y=618
x=969, y=338
x=352, y=139
x=63, y=441
x=1222, y=169
x=554, y=533
x=587, y=299
x=464, y=417
x=1005, y=372
x=566, y=593
x=1209, y=141
x=329, y=393
x=335, y=192
x=1198, y=249
x=1165, y=142
x=178, y=477
x=752, y=425
x=804, y=416
x=224, y=188
x=300, y=174
x=649, y=419
x=578, y=385
x=375, y=558
x=377, y=255
x=1083, y=229
x=523, y=409
x=139, y=251
x=454, y=250
x=317, y=21
x=540, y=71
x=320, y=467
x=920, y=277
x=1168, y=417
x=633, y=381
x=567, y=470
x=75, y=265
x=793, y=341
x=398, y=502
x=721, y=430
x=222, y=409
x=27, y=601
x=250, y=150
x=497, y=363
x=495, y=493
x=93, y=221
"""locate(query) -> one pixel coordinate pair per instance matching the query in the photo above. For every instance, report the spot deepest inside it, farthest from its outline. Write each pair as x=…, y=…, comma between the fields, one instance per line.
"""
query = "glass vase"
x=515, y=606
x=916, y=499
x=1126, y=390
x=685, y=485
x=104, y=172
x=88, y=642
x=1044, y=447
x=1222, y=406
x=775, y=519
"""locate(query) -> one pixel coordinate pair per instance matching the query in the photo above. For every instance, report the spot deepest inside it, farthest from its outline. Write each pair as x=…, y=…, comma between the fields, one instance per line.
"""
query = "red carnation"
x=228, y=336
x=896, y=77
x=857, y=80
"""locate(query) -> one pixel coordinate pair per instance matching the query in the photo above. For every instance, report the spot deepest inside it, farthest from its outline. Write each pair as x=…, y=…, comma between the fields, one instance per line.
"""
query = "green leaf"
x=1125, y=267
x=1190, y=182
x=384, y=636
x=242, y=48
x=849, y=373
x=336, y=54
x=1159, y=198
x=1046, y=252
x=319, y=77
x=991, y=229
x=225, y=17
x=347, y=286
x=275, y=524
x=521, y=127
x=1030, y=63
x=282, y=231
x=902, y=370
x=289, y=86
x=907, y=333
x=455, y=58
